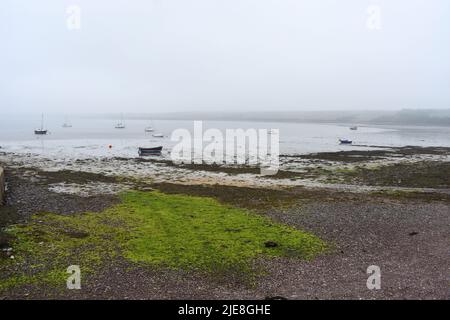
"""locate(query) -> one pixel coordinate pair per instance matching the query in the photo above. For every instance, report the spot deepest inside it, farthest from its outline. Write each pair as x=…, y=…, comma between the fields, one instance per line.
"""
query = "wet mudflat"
x=405, y=233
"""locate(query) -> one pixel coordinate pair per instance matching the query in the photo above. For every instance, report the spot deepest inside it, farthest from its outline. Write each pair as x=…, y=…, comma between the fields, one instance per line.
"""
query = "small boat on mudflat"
x=354, y=128
x=150, y=151
x=345, y=141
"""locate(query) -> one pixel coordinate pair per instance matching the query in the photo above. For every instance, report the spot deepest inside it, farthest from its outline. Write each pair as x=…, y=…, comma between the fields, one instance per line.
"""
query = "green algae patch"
x=194, y=232
x=49, y=243
x=154, y=229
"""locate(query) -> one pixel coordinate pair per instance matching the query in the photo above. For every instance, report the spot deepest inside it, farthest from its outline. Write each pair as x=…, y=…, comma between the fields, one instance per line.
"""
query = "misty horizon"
x=176, y=56
x=411, y=117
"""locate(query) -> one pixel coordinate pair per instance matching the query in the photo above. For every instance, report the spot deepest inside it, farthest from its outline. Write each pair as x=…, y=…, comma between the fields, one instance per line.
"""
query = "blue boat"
x=345, y=141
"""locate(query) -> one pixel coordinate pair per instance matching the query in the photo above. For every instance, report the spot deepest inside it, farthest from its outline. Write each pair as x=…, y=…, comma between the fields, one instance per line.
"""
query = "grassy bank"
x=154, y=229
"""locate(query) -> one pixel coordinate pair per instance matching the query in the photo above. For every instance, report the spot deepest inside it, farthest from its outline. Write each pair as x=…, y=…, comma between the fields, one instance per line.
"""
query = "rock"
x=270, y=244
x=275, y=298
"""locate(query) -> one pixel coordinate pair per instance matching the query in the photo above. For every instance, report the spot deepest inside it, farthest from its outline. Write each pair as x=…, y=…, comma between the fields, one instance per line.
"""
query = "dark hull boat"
x=345, y=141
x=41, y=130
x=150, y=151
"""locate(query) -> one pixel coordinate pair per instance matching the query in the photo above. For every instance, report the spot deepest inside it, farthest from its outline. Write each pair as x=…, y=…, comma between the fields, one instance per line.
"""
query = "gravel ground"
x=30, y=196
x=408, y=239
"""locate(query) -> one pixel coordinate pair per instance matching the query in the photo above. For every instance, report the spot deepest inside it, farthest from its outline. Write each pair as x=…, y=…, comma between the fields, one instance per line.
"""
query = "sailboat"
x=149, y=128
x=155, y=135
x=120, y=124
x=66, y=124
x=41, y=130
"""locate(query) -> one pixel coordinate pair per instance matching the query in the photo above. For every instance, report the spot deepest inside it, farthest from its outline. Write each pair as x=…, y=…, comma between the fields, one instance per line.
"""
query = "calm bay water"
x=91, y=137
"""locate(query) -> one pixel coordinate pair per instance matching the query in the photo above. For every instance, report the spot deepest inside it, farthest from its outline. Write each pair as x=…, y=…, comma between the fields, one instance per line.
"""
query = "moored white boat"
x=158, y=135
x=66, y=124
x=120, y=124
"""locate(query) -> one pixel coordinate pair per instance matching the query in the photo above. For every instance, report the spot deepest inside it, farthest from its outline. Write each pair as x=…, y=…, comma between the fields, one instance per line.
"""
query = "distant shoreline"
x=407, y=117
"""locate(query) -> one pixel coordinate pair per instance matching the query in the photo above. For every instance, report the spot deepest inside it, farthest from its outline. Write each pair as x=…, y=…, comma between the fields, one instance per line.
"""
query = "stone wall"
x=2, y=185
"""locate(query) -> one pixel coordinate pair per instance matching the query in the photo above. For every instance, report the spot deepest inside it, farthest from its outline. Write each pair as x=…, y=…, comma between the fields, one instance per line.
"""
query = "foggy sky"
x=224, y=55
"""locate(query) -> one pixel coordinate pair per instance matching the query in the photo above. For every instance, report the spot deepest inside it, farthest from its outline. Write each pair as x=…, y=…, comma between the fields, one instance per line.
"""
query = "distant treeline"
x=419, y=117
